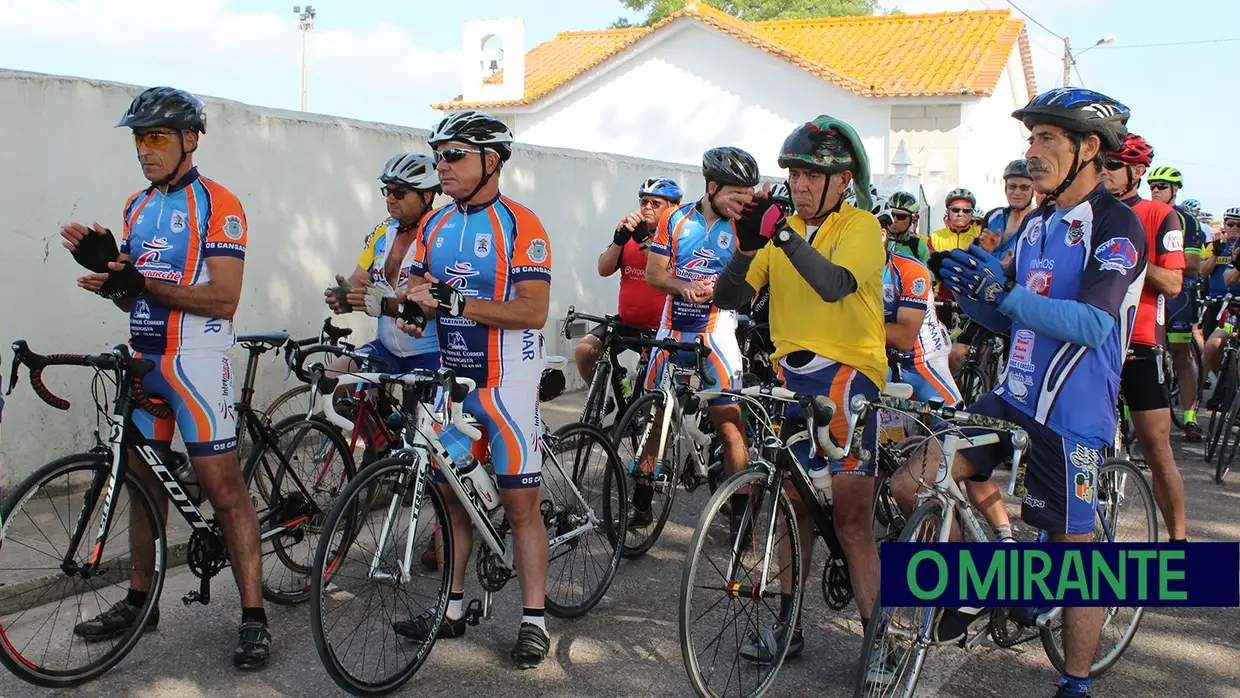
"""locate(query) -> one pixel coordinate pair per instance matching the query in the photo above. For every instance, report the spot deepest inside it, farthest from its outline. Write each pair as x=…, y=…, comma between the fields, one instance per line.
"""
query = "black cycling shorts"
x=1209, y=316
x=1139, y=381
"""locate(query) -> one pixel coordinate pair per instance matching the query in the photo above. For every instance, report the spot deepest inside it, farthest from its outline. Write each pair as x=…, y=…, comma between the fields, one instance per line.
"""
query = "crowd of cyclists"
x=1082, y=278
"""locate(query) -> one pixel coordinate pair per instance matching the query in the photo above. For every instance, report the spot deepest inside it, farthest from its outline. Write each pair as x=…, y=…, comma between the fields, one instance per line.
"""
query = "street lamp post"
x=1069, y=59
x=306, y=23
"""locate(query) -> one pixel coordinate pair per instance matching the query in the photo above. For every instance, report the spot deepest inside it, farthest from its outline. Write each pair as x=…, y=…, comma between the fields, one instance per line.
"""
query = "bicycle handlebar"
x=612, y=321
x=819, y=411
x=328, y=334
x=298, y=355
x=454, y=390
x=698, y=347
x=116, y=360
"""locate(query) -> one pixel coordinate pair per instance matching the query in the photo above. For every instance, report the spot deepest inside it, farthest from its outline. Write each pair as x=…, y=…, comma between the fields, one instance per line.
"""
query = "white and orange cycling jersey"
x=907, y=284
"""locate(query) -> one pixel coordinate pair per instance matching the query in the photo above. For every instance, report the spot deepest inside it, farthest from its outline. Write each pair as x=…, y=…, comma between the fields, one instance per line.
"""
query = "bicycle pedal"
x=473, y=612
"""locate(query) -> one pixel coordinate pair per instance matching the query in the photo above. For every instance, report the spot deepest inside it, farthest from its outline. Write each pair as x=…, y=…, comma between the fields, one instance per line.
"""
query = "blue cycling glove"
x=975, y=274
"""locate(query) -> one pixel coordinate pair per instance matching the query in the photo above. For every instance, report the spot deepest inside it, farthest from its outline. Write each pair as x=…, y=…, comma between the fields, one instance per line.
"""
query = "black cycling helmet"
x=1017, y=168
x=730, y=167
x=168, y=107
x=1080, y=112
x=815, y=146
x=903, y=201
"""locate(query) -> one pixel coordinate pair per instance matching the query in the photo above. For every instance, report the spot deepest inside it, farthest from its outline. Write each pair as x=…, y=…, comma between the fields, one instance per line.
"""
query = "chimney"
x=492, y=45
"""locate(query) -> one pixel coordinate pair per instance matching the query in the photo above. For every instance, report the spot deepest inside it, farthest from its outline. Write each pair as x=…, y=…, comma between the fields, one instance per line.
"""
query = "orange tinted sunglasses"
x=156, y=139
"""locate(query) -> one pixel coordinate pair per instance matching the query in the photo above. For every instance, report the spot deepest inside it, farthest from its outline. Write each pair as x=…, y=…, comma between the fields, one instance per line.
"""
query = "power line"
x=1031, y=19
x=1202, y=164
x=1174, y=43
x=1078, y=74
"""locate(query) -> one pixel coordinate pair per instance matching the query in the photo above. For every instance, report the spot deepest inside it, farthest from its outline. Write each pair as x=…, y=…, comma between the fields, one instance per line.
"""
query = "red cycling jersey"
x=1165, y=242
x=641, y=304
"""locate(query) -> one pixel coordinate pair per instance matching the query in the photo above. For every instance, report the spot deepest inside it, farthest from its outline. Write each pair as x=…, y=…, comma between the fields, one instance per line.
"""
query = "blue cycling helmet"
x=1193, y=206
x=662, y=187
x=1080, y=112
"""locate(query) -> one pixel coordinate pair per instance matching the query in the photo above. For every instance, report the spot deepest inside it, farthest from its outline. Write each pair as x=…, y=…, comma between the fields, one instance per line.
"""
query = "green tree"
x=757, y=10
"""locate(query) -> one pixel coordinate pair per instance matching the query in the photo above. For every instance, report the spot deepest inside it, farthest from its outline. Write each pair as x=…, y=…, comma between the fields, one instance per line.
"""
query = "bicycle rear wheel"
x=586, y=508
x=638, y=431
x=1120, y=484
x=1221, y=397
x=730, y=589
x=41, y=590
x=300, y=467
x=897, y=640
x=358, y=587
x=1225, y=452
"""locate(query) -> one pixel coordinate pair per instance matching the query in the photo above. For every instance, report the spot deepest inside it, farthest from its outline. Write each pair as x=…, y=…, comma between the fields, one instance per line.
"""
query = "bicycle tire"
x=268, y=417
x=928, y=510
x=1222, y=458
x=10, y=656
x=973, y=383
x=1048, y=634
x=753, y=479
x=566, y=512
x=353, y=502
x=1217, y=417
x=636, y=544
x=300, y=519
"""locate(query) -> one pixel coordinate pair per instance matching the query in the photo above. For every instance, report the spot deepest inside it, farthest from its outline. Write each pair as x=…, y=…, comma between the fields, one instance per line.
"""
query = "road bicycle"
x=92, y=498
x=613, y=387
x=367, y=573
x=898, y=640
x=1224, y=394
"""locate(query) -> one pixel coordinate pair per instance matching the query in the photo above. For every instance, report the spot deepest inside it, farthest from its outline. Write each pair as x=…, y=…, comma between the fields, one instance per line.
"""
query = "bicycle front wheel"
x=585, y=509
x=1122, y=488
x=636, y=439
x=365, y=580
x=733, y=635
x=49, y=591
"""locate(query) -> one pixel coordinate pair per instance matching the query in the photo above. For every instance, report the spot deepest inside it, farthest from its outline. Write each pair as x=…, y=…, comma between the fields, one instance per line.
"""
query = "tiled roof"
x=928, y=55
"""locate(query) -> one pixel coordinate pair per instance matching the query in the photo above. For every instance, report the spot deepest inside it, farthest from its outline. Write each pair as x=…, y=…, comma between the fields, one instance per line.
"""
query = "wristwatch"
x=782, y=236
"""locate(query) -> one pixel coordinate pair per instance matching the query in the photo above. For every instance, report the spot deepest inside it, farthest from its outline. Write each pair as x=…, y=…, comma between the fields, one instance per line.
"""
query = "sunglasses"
x=649, y=203
x=397, y=193
x=957, y=209
x=154, y=139
x=1020, y=187
x=454, y=154
x=1114, y=165
x=900, y=216
x=1159, y=186
x=1232, y=224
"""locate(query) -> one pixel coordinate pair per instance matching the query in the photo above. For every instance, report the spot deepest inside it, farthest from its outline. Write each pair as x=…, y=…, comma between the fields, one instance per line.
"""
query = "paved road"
x=629, y=646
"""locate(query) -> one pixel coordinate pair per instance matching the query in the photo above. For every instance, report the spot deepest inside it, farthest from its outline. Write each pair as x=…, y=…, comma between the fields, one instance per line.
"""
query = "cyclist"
x=178, y=273
x=485, y=263
x=825, y=270
x=691, y=245
x=921, y=344
x=1215, y=268
x=410, y=183
x=1096, y=249
x=904, y=208
x=1002, y=223
x=959, y=234
x=1181, y=312
x=1142, y=378
x=640, y=304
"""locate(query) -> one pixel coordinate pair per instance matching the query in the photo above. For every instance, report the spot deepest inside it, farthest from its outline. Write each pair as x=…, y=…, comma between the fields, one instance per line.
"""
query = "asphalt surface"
x=628, y=645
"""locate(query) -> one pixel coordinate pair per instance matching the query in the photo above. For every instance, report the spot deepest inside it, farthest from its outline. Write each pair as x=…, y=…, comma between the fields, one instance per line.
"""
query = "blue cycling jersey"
x=1094, y=253
x=1218, y=287
x=998, y=223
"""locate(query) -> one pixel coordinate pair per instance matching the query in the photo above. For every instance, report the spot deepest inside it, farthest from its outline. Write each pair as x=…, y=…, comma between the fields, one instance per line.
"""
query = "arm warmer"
x=1066, y=320
x=986, y=314
x=830, y=281
x=731, y=289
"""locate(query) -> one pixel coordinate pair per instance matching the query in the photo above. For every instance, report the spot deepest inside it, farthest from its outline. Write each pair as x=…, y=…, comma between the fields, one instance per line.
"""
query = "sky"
x=387, y=60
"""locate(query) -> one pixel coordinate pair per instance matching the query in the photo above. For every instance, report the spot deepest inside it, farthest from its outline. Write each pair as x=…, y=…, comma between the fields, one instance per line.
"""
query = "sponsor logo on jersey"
x=456, y=342
x=1174, y=241
x=1076, y=233
x=1022, y=350
x=889, y=294
x=459, y=273
x=537, y=251
x=482, y=245
x=232, y=227
x=1084, y=486
x=1084, y=458
x=154, y=248
x=141, y=310
x=179, y=219
x=725, y=240
x=1116, y=254
x=1034, y=233
x=1038, y=281
x=1017, y=388
x=919, y=287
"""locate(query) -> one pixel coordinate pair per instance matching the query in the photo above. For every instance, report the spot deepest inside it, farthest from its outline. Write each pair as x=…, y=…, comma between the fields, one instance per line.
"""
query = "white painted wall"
x=308, y=186
x=992, y=138
x=694, y=88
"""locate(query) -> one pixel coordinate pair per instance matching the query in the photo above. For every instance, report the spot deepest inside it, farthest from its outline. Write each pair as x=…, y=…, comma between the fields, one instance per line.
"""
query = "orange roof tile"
x=943, y=54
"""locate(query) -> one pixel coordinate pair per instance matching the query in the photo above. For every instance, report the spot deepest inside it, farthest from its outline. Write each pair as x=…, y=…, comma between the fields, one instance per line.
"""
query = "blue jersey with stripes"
x=484, y=251
x=1094, y=253
x=1218, y=287
x=698, y=253
x=169, y=237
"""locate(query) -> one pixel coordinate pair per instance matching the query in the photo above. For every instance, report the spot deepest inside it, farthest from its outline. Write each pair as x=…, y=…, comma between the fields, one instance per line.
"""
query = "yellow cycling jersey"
x=944, y=240
x=849, y=331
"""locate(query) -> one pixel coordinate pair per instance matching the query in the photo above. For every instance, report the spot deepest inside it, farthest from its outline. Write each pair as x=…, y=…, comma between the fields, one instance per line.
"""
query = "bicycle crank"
x=836, y=583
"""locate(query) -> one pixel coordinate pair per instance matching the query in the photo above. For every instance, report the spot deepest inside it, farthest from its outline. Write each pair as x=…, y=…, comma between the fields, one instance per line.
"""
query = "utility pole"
x=306, y=23
x=1067, y=62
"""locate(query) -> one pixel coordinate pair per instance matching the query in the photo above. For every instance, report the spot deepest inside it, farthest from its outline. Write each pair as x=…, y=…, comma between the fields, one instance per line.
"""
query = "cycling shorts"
x=1181, y=316
x=512, y=427
x=1140, y=383
x=400, y=364
x=931, y=380
x=1060, y=477
x=821, y=376
x=723, y=366
x=198, y=388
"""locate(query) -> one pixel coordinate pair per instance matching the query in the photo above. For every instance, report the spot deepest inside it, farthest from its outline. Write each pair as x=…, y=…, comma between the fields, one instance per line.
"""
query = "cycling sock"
x=534, y=616
x=642, y=496
x=135, y=598
x=1190, y=416
x=1179, y=540
x=456, y=604
x=1072, y=686
x=1004, y=531
x=254, y=615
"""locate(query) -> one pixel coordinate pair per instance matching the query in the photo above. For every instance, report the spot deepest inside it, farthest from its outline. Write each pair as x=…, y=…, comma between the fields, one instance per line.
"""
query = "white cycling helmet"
x=1233, y=212
x=414, y=170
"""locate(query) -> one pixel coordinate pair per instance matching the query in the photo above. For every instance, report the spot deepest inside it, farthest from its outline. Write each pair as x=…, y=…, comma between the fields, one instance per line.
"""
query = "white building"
x=942, y=84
